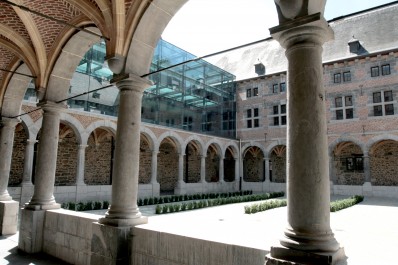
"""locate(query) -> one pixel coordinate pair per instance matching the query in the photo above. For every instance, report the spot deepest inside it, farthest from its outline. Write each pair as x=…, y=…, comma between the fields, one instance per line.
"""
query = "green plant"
x=345, y=203
x=105, y=205
x=97, y=205
x=159, y=209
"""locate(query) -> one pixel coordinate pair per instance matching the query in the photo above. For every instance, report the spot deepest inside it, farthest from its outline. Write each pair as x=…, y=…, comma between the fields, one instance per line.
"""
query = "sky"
x=203, y=27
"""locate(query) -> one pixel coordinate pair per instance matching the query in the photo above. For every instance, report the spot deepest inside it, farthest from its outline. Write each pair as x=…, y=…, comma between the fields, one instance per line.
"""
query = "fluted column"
x=124, y=210
x=202, y=169
x=43, y=194
x=81, y=155
x=308, y=238
x=154, y=167
x=28, y=162
x=6, y=146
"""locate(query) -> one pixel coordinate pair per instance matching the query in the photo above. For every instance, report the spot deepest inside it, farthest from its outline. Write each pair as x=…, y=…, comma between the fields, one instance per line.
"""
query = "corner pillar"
x=308, y=238
x=180, y=189
x=28, y=162
x=154, y=174
x=203, y=169
x=221, y=170
x=81, y=155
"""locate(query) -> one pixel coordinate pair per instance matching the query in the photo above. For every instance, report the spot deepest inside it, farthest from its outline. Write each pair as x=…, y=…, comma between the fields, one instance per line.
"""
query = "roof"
x=374, y=28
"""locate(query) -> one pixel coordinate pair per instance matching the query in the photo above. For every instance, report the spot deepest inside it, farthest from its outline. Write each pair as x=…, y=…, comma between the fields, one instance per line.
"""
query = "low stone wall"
x=365, y=190
x=262, y=187
x=158, y=248
x=68, y=234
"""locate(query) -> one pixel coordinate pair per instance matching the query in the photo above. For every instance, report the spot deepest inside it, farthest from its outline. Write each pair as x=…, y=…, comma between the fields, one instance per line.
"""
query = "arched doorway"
x=278, y=164
x=229, y=165
x=168, y=166
x=348, y=164
x=253, y=164
x=192, y=163
x=212, y=164
x=383, y=163
x=144, y=175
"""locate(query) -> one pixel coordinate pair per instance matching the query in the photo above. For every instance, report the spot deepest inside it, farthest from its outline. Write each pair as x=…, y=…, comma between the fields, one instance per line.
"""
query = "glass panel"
x=283, y=120
x=255, y=112
x=378, y=111
x=275, y=88
x=348, y=101
x=276, y=109
x=389, y=108
x=276, y=120
x=248, y=93
x=385, y=69
x=377, y=97
x=347, y=76
x=283, y=87
x=339, y=102
x=255, y=92
x=374, y=71
x=249, y=123
x=388, y=96
x=349, y=113
x=337, y=78
x=283, y=108
x=339, y=114
x=256, y=123
x=249, y=113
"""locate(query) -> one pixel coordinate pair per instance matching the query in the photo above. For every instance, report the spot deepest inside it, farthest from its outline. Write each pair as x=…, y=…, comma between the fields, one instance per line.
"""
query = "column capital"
x=132, y=82
x=9, y=122
x=82, y=146
x=51, y=106
x=307, y=29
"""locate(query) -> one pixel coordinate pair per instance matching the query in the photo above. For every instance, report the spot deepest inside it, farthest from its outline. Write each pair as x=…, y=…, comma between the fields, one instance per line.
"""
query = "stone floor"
x=368, y=231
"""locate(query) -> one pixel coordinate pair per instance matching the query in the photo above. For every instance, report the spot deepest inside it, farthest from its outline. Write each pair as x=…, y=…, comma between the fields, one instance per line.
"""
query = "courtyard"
x=367, y=231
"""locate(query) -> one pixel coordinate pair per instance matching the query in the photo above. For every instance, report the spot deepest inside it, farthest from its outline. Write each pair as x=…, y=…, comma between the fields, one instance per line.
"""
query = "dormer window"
x=354, y=45
x=259, y=68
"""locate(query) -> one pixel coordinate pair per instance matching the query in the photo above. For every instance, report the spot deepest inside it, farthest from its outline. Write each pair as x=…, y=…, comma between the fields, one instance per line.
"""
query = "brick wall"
x=145, y=163
x=65, y=174
x=383, y=163
x=343, y=175
x=98, y=161
x=167, y=167
x=18, y=155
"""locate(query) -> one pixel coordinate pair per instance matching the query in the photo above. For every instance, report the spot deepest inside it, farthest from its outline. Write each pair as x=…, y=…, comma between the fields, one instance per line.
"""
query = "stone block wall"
x=68, y=234
x=98, y=161
x=167, y=167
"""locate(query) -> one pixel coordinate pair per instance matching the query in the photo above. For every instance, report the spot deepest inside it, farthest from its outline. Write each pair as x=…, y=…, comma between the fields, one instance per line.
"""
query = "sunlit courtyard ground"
x=367, y=231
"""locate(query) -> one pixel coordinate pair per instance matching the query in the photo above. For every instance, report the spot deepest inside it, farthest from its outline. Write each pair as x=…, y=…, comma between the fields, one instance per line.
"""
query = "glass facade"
x=195, y=96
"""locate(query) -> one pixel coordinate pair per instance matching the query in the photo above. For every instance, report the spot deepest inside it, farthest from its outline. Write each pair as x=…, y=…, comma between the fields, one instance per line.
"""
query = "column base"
x=8, y=217
x=31, y=230
x=110, y=245
x=367, y=189
x=115, y=222
x=38, y=207
x=180, y=189
x=284, y=256
x=155, y=189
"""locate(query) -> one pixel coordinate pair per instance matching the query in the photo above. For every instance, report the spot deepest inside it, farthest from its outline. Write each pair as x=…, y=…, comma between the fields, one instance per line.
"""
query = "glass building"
x=194, y=96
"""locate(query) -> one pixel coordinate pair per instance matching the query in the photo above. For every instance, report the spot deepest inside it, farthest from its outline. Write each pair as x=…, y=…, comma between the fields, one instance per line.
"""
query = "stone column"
x=180, y=168
x=221, y=170
x=28, y=162
x=81, y=155
x=202, y=169
x=236, y=169
x=6, y=146
x=366, y=167
x=308, y=238
x=154, y=167
x=43, y=194
x=124, y=209
x=266, y=168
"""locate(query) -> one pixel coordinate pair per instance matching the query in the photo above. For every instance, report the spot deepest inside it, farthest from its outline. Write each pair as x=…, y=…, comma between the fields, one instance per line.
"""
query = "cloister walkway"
x=368, y=231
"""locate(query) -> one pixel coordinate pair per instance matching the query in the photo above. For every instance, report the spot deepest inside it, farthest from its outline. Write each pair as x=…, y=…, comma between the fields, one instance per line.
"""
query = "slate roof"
x=375, y=28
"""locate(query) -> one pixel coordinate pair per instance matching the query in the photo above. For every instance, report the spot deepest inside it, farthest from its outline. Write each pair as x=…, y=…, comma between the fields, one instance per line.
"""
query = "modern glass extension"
x=195, y=96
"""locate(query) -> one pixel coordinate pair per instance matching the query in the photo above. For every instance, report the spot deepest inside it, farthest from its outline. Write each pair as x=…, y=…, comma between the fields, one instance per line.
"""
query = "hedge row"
x=190, y=197
x=345, y=203
x=263, y=206
x=178, y=207
x=271, y=204
x=85, y=206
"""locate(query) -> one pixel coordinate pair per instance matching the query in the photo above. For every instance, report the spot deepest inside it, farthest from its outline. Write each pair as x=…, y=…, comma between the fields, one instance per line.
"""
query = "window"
x=378, y=110
x=385, y=69
x=255, y=112
x=282, y=87
x=252, y=118
x=388, y=95
x=377, y=97
x=248, y=93
x=255, y=92
x=337, y=78
x=279, y=115
x=374, y=71
x=344, y=108
x=354, y=163
x=381, y=108
x=339, y=102
x=276, y=109
x=389, y=109
x=275, y=88
x=347, y=76
x=96, y=95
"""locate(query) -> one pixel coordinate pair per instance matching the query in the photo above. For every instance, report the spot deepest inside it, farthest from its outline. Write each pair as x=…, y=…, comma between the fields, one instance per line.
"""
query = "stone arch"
x=168, y=163
x=250, y=144
x=192, y=160
x=383, y=155
x=109, y=125
x=75, y=125
x=213, y=156
x=335, y=143
x=65, y=66
x=146, y=35
x=99, y=155
x=151, y=137
x=348, y=163
x=176, y=138
x=277, y=164
x=15, y=92
x=234, y=148
x=253, y=164
x=197, y=140
x=379, y=138
x=30, y=126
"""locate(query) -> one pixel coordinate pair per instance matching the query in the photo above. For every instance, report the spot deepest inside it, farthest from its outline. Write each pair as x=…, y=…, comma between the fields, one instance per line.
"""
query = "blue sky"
x=206, y=26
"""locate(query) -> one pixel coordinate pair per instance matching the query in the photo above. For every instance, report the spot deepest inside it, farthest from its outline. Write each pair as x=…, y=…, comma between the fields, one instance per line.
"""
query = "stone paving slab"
x=368, y=231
